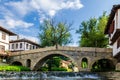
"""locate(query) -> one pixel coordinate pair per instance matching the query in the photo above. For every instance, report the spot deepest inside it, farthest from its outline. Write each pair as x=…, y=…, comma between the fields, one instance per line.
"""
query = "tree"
x=54, y=34
x=53, y=62
x=92, y=32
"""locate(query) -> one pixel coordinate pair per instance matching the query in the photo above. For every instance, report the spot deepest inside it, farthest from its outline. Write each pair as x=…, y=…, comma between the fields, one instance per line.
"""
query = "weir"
x=51, y=76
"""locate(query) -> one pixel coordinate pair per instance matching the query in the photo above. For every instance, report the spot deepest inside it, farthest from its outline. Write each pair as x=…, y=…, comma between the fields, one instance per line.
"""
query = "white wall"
x=117, y=26
x=10, y=47
x=6, y=46
x=23, y=46
x=4, y=42
x=119, y=18
x=114, y=48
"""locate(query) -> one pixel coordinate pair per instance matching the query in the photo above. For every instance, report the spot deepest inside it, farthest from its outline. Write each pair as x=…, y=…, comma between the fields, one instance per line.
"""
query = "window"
x=33, y=47
x=20, y=45
x=3, y=35
x=118, y=42
x=112, y=27
x=16, y=46
x=26, y=46
x=30, y=47
x=2, y=47
x=12, y=46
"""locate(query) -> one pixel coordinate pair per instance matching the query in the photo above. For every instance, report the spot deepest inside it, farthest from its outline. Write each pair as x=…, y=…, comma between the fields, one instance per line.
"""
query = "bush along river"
x=50, y=76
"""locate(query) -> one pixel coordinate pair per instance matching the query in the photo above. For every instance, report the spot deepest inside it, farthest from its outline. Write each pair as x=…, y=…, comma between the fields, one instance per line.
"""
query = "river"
x=50, y=76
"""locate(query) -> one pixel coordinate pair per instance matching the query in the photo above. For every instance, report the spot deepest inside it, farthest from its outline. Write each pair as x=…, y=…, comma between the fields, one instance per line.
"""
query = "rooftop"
x=24, y=40
x=7, y=31
x=111, y=17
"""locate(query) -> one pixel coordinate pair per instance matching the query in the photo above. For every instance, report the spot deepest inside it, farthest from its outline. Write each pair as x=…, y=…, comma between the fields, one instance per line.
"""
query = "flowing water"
x=50, y=76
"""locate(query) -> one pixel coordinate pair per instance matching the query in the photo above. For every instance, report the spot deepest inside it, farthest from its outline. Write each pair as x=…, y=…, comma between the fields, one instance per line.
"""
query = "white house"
x=113, y=30
x=4, y=38
x=22, y=44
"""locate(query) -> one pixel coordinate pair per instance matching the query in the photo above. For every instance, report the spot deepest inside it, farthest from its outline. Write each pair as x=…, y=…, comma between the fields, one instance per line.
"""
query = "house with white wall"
x=113, y=30
x=4, y=39
x=22, y=44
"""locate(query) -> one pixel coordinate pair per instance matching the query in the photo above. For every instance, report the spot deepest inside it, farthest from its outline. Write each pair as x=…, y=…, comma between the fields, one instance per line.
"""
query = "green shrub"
x=43, y=69
x=14, y=68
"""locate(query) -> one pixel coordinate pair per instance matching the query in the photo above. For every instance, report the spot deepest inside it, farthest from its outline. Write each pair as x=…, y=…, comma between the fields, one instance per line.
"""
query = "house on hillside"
x=113, y=31
x=4, y=39
x=22, y=44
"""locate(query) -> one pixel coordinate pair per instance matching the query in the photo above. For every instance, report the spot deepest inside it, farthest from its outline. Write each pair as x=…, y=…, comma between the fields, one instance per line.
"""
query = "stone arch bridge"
x=36, y=58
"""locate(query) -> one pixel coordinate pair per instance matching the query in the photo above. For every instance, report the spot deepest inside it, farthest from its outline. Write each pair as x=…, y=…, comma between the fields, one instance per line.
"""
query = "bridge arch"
x=103, y=64
x=17, y=63
x=84, y=62
x=45, y=58
x=28, y=63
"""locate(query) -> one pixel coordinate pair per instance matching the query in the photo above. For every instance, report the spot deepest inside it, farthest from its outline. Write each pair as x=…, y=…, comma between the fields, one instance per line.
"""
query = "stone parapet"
x=65, y=48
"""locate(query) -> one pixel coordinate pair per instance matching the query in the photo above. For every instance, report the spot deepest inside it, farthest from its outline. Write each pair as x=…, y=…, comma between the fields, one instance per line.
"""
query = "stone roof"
x=111, y=17
x=7, y=31
x=25, y=40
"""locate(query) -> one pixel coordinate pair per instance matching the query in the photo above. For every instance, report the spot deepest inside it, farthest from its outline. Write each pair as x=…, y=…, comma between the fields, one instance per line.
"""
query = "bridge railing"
x=90, y=49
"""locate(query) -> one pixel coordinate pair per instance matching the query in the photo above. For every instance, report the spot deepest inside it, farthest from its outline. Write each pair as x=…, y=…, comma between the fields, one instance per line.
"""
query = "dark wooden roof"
x=111, y=17
x=24, y=40
x=7, y=31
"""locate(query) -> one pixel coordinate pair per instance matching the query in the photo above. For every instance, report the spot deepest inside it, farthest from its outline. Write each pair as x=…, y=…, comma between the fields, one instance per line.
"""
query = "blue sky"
x=25, y=16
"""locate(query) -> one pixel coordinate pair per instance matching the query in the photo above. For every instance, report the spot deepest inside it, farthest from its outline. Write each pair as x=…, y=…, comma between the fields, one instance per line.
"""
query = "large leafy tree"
x=92, y=32
x=52, y=33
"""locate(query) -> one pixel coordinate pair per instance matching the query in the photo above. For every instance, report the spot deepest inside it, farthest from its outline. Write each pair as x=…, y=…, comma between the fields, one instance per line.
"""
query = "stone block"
x=118, y=66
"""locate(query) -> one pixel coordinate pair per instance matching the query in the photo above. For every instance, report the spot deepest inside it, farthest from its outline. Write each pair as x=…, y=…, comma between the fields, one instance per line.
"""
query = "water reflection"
x=50, y=76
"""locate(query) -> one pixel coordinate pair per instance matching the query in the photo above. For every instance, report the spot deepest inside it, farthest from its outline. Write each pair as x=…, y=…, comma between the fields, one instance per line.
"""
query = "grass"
x=13, y=68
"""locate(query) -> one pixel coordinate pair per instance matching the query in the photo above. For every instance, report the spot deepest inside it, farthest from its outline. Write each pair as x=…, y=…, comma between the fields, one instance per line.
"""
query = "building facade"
x=22, y=44
x=4, y=39
x=113, y=30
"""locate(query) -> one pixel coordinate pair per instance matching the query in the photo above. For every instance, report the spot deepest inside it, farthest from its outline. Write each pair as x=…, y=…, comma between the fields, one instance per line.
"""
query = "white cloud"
x=12, y=23
x=52, y=12
x=76, y=4
x=6, y=12
x=34, y=39
x=73, y=44
x=20, y=7
x=48, y=7
x=51, y=7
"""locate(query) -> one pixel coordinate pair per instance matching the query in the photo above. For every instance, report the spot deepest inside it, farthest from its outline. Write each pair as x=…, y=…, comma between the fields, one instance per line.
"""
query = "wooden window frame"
x=13, y=46
x=2, y=47
x=27, y=46
x=16, y=45
x=118, y=42
x=21, y=45
x=3, y=35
